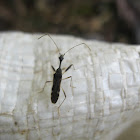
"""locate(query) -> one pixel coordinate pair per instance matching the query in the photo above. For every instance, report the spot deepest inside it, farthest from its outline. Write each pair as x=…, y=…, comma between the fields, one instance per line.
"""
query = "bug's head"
x=61, y=57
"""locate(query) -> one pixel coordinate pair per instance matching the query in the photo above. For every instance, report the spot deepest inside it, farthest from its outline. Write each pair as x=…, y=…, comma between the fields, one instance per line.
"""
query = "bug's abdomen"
x=54, y=97
x=55, y=92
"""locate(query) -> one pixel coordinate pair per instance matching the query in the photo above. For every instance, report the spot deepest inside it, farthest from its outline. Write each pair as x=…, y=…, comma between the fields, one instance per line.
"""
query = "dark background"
x=109, y=20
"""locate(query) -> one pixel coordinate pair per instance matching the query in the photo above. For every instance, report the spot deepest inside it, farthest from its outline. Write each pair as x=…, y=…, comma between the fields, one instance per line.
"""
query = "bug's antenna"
x=78, y=45
x=52, y=40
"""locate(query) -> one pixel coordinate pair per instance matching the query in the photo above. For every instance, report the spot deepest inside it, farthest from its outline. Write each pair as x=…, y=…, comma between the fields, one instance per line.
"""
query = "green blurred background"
x=109, y=20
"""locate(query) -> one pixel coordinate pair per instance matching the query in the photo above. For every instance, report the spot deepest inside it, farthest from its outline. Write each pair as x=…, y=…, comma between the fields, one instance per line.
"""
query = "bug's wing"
x=54, y=96
x=55, y=90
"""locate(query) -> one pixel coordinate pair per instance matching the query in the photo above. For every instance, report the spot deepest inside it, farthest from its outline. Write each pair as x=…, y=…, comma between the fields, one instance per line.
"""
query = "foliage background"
x=109, y=20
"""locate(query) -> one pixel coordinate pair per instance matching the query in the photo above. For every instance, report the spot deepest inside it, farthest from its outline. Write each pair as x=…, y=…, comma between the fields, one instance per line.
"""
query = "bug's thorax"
x=58, y=72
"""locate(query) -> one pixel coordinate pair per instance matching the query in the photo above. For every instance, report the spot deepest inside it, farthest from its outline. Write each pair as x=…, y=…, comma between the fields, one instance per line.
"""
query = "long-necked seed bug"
x=57, y=77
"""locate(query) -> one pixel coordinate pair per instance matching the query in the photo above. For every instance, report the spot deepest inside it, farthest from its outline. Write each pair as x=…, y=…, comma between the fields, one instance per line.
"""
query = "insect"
x=57, y=77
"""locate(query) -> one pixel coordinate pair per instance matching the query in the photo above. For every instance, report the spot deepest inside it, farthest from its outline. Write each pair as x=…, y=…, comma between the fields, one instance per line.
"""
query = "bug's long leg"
x=70, y=81
x=69, y=68
x=63, y=100
x=44, y=86
x=53, y=68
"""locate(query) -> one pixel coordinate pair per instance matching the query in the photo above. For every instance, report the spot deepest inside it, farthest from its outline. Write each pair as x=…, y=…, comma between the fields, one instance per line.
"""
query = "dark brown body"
x=56, y=85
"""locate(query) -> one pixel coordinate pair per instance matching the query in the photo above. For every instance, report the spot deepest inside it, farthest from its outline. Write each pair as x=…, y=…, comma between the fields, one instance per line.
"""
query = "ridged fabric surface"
x=105, y=91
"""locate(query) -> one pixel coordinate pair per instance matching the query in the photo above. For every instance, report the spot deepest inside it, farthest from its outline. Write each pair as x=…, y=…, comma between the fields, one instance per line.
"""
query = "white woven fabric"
x=106, y=93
